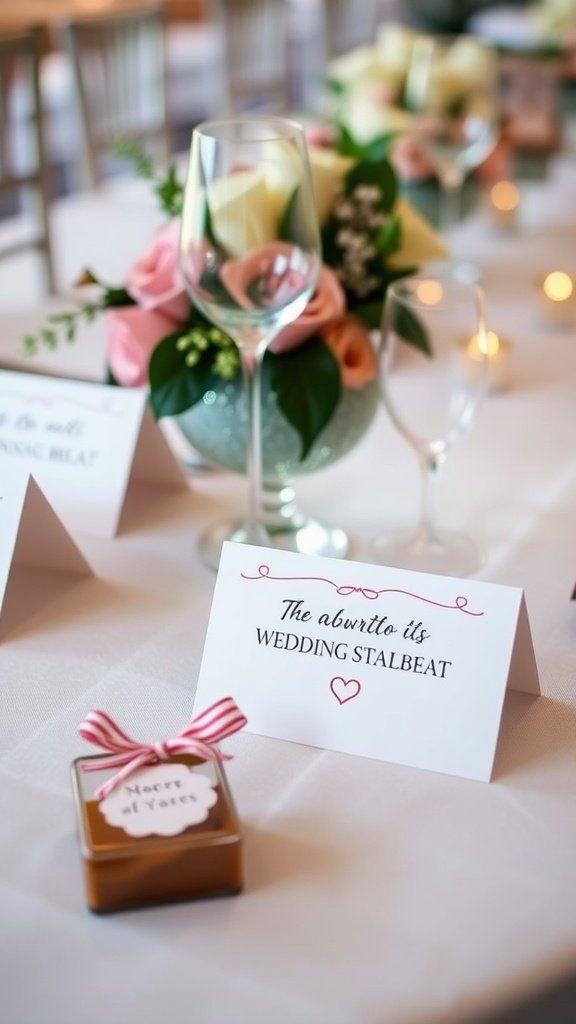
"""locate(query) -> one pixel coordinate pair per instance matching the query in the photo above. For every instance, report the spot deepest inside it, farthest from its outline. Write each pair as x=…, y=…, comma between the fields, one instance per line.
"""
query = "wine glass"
x=452, y=89
x=250, y=257
x=431, y=387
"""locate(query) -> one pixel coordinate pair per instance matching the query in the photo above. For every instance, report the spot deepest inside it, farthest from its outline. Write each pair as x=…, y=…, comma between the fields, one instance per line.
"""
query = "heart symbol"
x=344, y=689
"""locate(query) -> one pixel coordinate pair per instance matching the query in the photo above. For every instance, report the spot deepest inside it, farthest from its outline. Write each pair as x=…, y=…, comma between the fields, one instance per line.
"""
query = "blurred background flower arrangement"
x=555, y=22
x=372, y=91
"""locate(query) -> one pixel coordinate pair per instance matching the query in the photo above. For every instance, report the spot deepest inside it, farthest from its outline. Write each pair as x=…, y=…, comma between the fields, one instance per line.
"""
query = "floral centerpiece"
x=155, y=337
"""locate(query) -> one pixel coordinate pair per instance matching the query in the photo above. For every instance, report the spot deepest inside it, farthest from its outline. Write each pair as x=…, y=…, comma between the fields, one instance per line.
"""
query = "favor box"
x=167, y=832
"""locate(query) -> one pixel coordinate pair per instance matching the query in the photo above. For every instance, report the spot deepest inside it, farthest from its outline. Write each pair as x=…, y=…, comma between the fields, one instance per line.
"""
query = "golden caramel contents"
x=121, y=871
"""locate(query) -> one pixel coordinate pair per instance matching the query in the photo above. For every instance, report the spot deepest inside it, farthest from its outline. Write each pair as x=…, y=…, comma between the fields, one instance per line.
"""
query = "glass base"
x=309, y=538
x=446, y=553
x=283, y=526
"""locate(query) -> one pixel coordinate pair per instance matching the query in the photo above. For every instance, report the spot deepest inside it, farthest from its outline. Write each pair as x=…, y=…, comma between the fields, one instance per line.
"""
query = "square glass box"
x=123, y=872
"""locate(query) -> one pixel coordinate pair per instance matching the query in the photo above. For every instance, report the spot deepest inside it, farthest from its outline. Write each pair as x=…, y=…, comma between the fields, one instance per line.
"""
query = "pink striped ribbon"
x=215, y=723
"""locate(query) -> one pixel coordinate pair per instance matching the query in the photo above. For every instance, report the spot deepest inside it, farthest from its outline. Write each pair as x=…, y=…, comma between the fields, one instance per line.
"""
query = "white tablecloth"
x=375, y=893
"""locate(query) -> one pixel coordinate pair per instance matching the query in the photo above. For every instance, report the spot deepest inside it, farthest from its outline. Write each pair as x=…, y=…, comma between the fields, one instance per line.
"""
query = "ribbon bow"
x=215, y=723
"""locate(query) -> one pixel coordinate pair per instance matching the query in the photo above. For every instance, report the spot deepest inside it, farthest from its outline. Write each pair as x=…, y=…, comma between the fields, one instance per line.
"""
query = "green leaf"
x=307, y=385
x=116, y=298
x=335, y=86
x=209, y=229
x=132, y=151
x=389, y=237
x=168, y=189
x=286, y=230
x=170, y=192
x=457, y=107
x=410, y=329
x=346, y=143
x=370, y=312
x=379, y=174
x=377, y=149
x=175, y=386
x=29, y=345
x=372, y=152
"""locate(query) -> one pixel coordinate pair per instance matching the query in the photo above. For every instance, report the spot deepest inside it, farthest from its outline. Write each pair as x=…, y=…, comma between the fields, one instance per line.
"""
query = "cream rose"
x=329, y=169
x=246, y=207
x=419, y=241
x=359, y=63
x=366, y=117
x=229, y=198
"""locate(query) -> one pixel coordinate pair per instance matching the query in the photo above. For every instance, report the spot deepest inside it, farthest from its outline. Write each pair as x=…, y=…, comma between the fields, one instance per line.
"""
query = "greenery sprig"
x=63, y=326
x=167, y=188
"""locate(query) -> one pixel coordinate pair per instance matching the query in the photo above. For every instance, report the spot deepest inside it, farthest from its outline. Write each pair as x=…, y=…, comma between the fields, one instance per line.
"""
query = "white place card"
x=38, y=558
x=84, y=444
x=402, y=666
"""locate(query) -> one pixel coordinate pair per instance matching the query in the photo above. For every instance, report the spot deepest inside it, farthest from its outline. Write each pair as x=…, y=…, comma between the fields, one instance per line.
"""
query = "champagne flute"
x=431, y=392
x=250, y=255
x=452, y=90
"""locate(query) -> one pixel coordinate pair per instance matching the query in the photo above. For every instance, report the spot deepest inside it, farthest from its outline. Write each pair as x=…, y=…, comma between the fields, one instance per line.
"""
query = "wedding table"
x=374, y=892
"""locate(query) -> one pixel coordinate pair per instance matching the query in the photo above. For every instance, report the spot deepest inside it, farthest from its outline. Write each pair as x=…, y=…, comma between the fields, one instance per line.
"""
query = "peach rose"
x=349, y=340
x=327, y=304
x=154, y=281
x=132, y=334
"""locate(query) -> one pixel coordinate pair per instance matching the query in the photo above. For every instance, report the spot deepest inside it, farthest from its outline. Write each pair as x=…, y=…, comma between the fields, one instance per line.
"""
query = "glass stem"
x=429, y=471
x=251, y=369
x=450, y=208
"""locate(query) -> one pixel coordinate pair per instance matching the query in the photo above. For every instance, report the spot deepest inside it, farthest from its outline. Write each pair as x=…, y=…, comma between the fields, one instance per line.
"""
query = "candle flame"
x=558, y=286
x=429, y=292
x=485, y=343
x=505, y=195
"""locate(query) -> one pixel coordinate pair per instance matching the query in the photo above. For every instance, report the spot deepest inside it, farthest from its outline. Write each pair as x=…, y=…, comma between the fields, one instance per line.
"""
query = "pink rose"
x=274, y=270
x=154, y=281
x=349, y=341
x=327, y=304
x=132, y=334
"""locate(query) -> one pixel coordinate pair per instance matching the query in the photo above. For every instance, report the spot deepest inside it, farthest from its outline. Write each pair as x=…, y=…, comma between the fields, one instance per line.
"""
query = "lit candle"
x=504, y=205
x=557, y=298
x=497, y=353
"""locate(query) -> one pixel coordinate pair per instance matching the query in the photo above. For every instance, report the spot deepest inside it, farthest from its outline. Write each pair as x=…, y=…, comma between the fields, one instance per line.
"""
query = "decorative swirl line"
x=345, y=590
x=106, y=404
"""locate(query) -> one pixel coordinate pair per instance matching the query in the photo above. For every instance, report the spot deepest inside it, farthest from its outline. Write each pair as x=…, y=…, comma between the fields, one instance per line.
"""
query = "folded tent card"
x=402, y=666
x=38, y=558
x=84, y=444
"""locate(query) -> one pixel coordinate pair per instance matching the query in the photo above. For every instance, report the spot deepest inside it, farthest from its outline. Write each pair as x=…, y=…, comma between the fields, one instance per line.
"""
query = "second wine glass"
x=431, y=388
x=452, y=91
x=250, y=257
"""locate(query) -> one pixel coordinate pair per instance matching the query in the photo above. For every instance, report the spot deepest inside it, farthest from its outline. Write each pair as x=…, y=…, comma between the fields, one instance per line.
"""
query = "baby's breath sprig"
x=196, y=341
